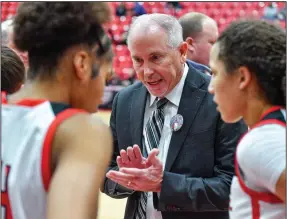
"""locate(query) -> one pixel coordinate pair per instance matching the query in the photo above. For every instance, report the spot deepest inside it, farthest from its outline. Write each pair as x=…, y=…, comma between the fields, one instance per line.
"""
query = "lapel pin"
x=176, y=122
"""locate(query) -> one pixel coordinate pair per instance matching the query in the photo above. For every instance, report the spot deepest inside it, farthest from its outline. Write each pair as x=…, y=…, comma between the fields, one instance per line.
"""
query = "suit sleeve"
x=181, y=193
x=111, y=188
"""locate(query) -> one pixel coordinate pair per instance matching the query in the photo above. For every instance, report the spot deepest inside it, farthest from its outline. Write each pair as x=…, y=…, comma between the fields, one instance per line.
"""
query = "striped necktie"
x=152, y=136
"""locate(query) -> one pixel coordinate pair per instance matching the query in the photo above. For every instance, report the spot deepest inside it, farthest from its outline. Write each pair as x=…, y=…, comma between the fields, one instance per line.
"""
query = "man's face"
x=202, y=43
x=158, y=66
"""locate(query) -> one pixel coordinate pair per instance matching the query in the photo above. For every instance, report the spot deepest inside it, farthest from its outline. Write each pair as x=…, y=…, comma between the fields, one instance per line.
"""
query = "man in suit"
x=200, y=32
x=191, y=175
x=199, y=67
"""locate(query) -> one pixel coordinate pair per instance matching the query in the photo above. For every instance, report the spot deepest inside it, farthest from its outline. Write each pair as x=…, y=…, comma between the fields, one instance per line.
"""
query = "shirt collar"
x=174, y=95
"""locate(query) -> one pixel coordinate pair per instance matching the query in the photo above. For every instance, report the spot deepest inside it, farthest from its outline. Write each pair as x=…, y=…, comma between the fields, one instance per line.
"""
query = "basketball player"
x=12, y=70
x=7, y=40
x=54, y=152
x=249, y=71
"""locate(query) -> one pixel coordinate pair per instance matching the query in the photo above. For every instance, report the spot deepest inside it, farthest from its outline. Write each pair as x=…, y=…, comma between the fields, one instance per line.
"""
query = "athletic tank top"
x=251, y=203
x=28, y=129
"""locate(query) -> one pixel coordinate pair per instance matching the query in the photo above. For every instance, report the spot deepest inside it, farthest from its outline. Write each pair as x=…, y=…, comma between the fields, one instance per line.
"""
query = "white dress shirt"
x=170, y=110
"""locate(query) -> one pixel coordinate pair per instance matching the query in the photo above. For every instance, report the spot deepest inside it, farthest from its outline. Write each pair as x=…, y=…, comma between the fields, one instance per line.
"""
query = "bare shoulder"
x=85, y=122
x=85, y=125
x=82, y=149
x=85, y=133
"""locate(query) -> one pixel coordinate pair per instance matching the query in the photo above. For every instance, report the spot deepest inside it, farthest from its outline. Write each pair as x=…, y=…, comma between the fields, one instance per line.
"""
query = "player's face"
x=157, y=65
x=92, y=73
x=98, y=83
x=225, y=88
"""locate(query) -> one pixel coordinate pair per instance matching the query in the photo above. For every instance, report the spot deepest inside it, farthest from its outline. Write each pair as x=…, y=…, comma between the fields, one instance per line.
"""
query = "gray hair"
x=168, y=23
x=6, y=29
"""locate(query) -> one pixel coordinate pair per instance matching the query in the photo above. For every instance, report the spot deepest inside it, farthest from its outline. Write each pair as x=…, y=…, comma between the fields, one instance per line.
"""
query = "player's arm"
x=110, y=187
x=280, y=189
x=82, y=148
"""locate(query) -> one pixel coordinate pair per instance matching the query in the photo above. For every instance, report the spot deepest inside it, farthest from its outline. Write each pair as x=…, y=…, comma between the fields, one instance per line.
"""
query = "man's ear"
x=190, y=44
x=183, y=51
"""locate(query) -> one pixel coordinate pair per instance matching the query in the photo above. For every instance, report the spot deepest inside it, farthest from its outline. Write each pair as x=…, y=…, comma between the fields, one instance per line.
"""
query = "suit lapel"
x=189, y=104
x=137, y=115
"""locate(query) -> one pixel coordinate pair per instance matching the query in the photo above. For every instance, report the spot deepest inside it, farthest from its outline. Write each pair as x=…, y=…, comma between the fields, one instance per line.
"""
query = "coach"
x=169, y=114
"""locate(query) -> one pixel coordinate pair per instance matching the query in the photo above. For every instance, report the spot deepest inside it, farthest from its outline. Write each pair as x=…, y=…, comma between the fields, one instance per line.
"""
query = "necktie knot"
x=161, y=103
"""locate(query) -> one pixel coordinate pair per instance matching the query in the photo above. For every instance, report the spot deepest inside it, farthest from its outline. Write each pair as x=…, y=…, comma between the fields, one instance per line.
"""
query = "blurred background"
x=123, y=14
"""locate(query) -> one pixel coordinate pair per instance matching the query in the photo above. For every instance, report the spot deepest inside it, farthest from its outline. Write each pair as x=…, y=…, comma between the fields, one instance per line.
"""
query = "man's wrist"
x=158, y=188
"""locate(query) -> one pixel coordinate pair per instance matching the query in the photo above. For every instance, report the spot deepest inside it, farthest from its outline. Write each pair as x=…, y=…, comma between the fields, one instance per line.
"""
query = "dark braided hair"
x=261, y=47
x=47, y=29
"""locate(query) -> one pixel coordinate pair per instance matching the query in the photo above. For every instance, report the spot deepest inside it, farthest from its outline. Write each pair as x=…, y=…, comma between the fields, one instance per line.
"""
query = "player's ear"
x=82, y=65
x=244, y=77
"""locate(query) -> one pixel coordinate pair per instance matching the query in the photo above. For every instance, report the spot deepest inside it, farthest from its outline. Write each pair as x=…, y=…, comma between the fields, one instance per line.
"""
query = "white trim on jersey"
x=27, y=134
x=261, y=158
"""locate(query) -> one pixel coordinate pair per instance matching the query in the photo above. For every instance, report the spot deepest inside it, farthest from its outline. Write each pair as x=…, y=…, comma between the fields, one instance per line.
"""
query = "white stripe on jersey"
x=283, y=113
x=26, y=150
x=23, y=132
x=242, y=205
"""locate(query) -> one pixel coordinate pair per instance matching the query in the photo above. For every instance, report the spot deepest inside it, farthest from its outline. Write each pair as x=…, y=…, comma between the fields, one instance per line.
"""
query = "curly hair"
x=47, y=29
x=12, y=70
x=261, y=47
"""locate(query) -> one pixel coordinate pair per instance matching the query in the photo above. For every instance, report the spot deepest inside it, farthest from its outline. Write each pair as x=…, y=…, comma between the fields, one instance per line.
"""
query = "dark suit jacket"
x=199, y=166
x=199, y=67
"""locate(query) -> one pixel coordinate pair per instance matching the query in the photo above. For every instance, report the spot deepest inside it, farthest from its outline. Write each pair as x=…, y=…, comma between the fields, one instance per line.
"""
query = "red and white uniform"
x=260, y=160
x=28, y=129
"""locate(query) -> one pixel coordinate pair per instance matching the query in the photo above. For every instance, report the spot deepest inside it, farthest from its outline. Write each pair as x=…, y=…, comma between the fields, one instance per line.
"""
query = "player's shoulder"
x=79, y=126
x=263, y=137
x=82, y=131
x=85, y=123
x=266, y=131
